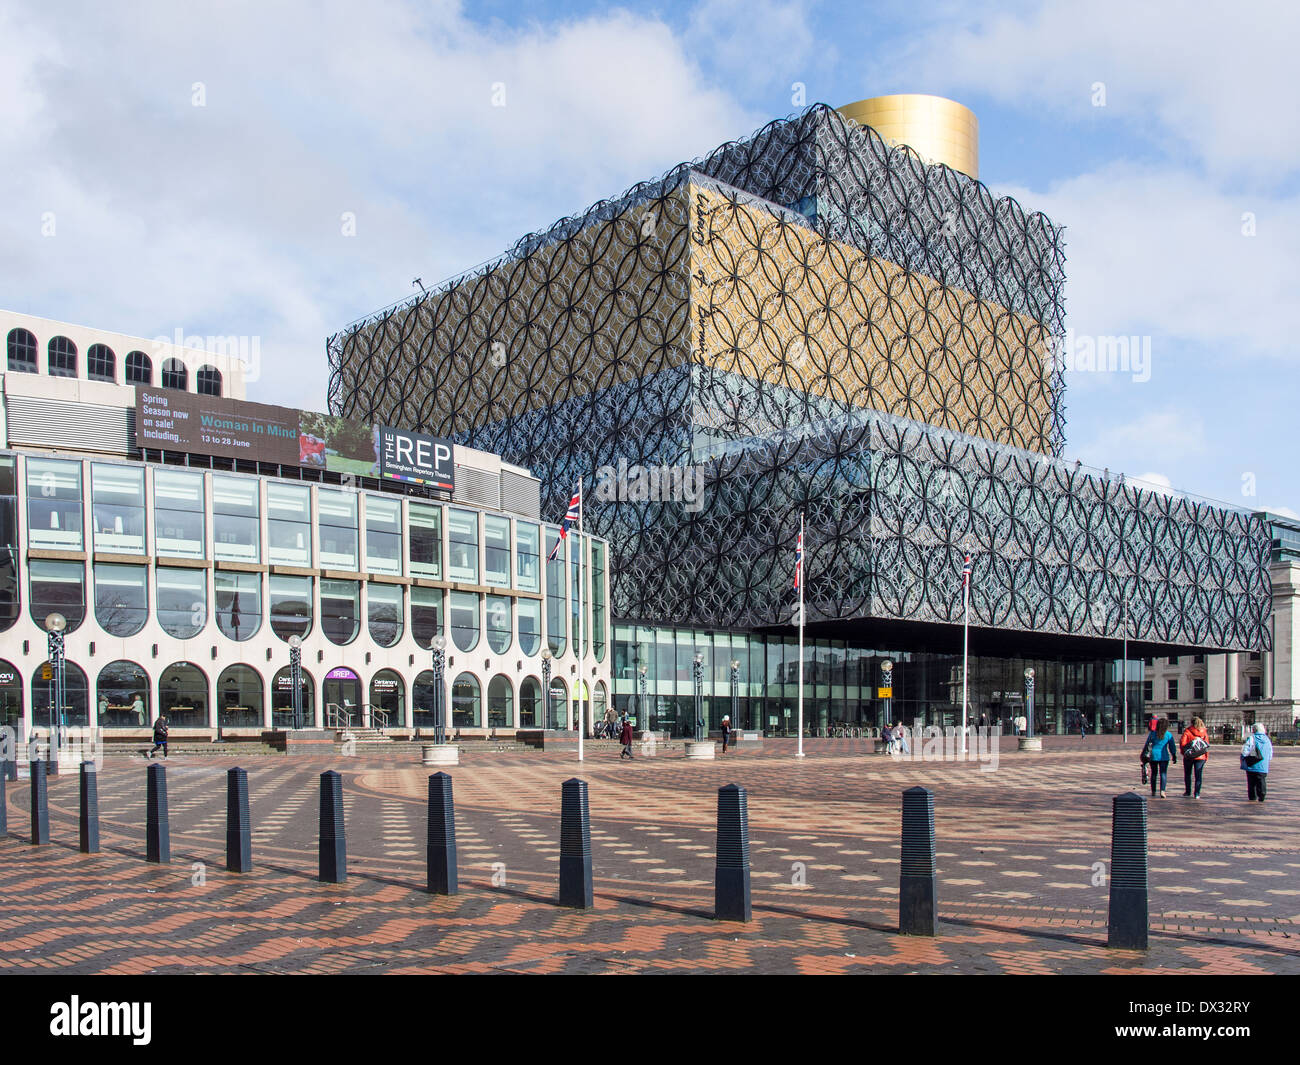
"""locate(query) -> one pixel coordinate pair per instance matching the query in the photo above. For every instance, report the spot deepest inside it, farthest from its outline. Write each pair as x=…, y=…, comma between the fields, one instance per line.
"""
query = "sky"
x=276, y=170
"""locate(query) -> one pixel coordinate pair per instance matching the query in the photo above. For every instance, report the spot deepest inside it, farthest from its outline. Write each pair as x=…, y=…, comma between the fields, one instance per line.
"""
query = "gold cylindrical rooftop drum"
x=938, y=129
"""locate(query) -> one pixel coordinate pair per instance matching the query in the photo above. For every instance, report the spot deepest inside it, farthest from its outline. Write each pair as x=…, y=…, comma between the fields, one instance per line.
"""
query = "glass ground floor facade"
x=754, y=677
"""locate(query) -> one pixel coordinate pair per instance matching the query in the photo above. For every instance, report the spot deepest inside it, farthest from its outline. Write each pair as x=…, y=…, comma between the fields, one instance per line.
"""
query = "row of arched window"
x=101, y=364
x=124, y=697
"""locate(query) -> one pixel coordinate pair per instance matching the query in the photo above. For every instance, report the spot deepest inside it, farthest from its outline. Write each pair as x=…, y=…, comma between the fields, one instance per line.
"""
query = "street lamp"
x=295, y=677
x=697, y=677
x=55, y=624
x=735, y=692
x=1029, y=700
x=439, y=660
x=643, y=713
x=887, y=682
x=546, y=686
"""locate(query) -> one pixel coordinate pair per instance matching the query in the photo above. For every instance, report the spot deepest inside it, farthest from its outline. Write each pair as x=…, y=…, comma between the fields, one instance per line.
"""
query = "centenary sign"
x=171, y=420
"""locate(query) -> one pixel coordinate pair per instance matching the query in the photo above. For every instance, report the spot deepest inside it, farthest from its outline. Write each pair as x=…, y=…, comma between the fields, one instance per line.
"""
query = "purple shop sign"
x=341, y=673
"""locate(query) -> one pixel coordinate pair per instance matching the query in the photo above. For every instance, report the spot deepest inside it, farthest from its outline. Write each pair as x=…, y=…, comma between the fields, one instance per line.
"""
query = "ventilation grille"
x=521, y=495
x=74, y=426
x=477, y=486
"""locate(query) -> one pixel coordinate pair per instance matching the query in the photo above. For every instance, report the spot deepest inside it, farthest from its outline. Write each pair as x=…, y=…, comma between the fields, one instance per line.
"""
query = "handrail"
x=337, y=717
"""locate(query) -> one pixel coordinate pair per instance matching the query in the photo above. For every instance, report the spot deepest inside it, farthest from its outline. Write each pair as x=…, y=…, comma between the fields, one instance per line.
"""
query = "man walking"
x=726, y=731
x=625, y=738
x=159, y=736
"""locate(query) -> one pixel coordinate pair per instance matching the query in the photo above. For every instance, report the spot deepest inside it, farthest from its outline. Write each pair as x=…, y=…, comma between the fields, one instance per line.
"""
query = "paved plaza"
x=1020, y=887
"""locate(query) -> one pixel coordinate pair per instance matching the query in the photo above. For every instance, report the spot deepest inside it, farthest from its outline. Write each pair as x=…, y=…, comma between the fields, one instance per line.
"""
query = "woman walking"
x=1194, y=745
x=1256, y=753
x=1162, y=750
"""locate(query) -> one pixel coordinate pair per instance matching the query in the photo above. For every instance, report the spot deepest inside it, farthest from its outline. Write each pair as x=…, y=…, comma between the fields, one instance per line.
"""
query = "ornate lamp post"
x=439, y=661
x=295, y=677
x=735, y=692
x=697, y=671
x=643, y=716
x=546, y=686
x=887, y=682
x=55, y=624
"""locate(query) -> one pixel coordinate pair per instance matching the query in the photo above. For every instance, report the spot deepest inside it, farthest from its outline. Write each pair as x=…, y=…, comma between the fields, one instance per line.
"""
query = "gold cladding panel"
x=939, y=130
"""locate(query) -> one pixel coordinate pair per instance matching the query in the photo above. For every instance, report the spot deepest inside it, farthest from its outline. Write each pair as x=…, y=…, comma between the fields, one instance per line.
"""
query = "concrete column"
x=1216, y=689
x=1284, y=674
x=1233, y=678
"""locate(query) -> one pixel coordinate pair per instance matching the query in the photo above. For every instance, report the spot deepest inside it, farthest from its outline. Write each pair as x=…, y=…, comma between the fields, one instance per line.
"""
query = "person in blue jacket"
x=1256, y=753
x=1162, y=749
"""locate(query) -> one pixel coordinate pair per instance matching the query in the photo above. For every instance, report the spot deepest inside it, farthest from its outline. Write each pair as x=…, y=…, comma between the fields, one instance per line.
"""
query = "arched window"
x=76, y=705
x=11, y=695
x=62, y=354
x=464, y=620
x=183, y=696
x=291, y=606
x=426, y=615
x=209, y=381
x=57, y=588
x=530, y=626
x=558, y=708
x=101, y=363
x=530, y=703
x=340, y=610
x=22, y=351
x=384, y=609
x=239, y=603
x=239, y=697
x=424, y=696
x=387, y=700
x=182, y=600
x=174, y=375
x=465, y=700
x=122, y=698
x=10, y=594
x=139, y=368
x=121, y=598
x=282, y=699
x=501, y=702
x=499, y=623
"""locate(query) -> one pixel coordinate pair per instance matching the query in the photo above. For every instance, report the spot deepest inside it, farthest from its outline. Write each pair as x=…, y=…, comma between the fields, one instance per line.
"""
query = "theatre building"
x=187, y=535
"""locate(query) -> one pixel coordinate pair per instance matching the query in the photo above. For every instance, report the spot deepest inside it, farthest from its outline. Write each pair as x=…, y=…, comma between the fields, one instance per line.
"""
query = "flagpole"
x=799, y=753
x=581, y=658
x=965, y=651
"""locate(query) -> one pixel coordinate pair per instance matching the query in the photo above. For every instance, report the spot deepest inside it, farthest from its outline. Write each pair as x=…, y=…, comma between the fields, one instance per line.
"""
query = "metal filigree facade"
x=812, y=319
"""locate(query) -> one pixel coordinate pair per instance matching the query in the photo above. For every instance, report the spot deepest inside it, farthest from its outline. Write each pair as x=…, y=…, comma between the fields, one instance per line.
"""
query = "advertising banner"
x=171, y=420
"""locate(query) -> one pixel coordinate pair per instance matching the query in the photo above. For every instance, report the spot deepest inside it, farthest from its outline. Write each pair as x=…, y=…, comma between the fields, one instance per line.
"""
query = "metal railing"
x=337, y=716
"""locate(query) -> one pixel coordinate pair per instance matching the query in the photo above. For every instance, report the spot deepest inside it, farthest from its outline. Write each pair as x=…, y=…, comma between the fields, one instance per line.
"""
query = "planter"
x=701, y=750
x=440, y=754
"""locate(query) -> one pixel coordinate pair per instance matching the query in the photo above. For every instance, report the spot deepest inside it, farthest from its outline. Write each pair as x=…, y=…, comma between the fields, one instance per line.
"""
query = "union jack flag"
x=798, y=560
x=965, y=573
x=570, y=517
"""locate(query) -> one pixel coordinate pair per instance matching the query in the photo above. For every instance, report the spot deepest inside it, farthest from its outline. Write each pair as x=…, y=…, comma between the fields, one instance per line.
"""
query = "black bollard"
x=158, y=835
x=40, y=804
x=731, y=894
x=1127, y=923
x=239, y=839
x=918, y=875
x=89, y=809
x=441, y=849
x=575, y=846
x=333, y=843
x=11, y=769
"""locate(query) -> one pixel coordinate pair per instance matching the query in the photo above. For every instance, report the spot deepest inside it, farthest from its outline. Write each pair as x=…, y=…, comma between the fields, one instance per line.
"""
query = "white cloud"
x=226, y=219
x=754, y=42
x=1155, y=482
x=1285, y=512
x=1198, y=77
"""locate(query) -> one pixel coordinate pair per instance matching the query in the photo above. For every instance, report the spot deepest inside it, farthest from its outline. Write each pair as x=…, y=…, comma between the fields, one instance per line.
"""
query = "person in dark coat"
x=726, y=732
x=159, y=736
x=625, y=738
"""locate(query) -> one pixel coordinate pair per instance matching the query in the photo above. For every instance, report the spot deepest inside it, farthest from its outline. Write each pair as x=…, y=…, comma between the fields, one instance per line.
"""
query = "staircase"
x=362, y=737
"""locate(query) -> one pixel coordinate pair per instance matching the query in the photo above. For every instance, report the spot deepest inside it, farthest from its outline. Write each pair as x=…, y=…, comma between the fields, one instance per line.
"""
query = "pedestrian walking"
x=726, y=731
x=1083, y=727
x=159, y=736
x=625, y=738
x=1194, y=745
x=1256, y=753
x=1162, y=749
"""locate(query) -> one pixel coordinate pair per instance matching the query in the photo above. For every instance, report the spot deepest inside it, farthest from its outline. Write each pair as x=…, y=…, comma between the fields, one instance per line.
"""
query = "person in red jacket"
x=1195, y=748
x=625, y=738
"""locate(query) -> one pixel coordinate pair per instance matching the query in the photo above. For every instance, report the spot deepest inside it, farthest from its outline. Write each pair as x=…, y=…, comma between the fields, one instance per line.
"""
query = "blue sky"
x=229, y=218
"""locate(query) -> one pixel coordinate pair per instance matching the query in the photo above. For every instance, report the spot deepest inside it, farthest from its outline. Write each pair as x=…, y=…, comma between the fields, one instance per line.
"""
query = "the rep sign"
x=414, y=457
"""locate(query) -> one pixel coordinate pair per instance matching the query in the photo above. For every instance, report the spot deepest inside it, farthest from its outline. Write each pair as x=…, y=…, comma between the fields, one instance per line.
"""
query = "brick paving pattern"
x=1017, y=851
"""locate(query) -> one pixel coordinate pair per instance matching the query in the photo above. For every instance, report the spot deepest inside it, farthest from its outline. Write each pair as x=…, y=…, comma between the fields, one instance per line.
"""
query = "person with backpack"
x=1195, y=748
x=1256, y=753
x=159, y=736
x=1161, y=750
